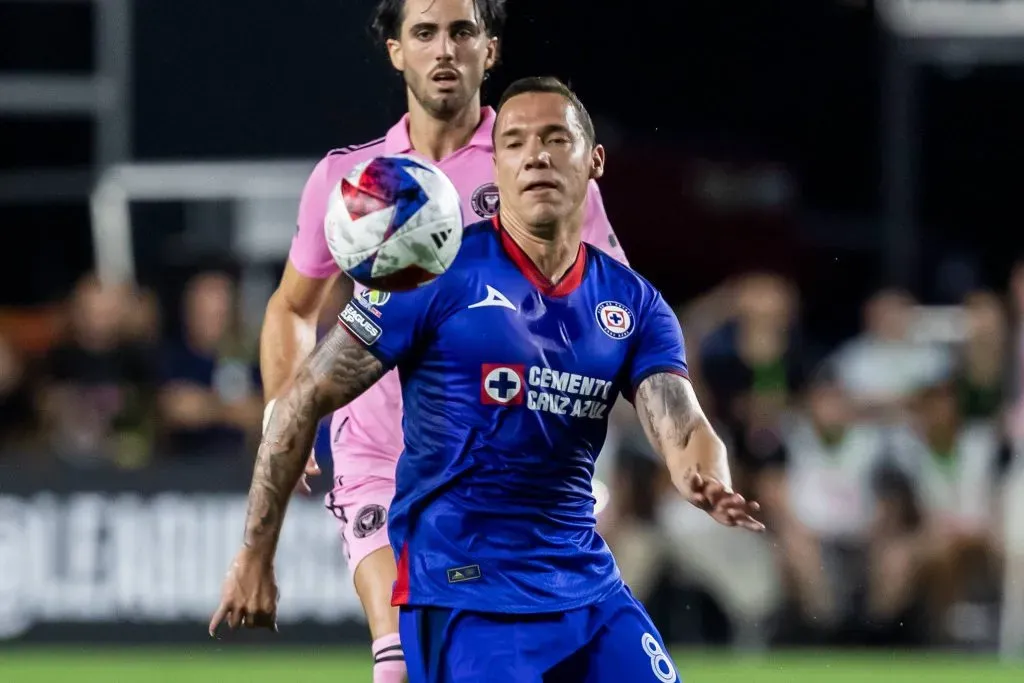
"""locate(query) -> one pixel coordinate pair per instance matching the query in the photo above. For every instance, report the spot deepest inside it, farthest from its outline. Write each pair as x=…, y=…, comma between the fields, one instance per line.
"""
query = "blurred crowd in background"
x=879, y=463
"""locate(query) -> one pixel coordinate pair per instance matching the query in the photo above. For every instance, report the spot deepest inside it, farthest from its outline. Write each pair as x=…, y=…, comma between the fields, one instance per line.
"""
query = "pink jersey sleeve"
x=596, y=228
x=309, y=253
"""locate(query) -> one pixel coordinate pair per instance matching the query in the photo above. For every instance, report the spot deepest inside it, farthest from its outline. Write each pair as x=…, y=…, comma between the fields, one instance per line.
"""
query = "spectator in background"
x=142, y=319
x=896, y=611
x=752, y=365
x=629, y=524
x=955, y=469
x=981, y=378
x=826, y=502
x=883, y=366
x=1015, y=419
x=17, y=412
x=209, y=399
x=97, y=386
x=701, y=318
x=1013, y=607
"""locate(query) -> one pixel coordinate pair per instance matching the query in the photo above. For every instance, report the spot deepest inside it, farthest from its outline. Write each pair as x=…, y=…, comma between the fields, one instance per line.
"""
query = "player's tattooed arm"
x=339, y=369
x=678, y=429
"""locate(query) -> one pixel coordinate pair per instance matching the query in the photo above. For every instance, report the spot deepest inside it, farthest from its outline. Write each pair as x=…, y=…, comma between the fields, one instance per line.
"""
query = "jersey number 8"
x=661, y=665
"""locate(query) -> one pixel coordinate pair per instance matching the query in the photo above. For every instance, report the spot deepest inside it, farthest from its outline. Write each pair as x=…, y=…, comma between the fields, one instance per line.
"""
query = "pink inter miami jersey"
x=366, y=435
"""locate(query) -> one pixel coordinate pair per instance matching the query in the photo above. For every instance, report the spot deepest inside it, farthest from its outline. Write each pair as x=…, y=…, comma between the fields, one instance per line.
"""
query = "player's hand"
x=312, y=470
x=725, y=506
x=249, y=595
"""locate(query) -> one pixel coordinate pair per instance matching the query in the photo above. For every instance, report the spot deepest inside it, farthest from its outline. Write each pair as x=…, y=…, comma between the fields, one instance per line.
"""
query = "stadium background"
x=780, y=170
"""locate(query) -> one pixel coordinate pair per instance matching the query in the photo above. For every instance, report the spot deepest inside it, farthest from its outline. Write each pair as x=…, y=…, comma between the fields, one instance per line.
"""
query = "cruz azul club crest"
x=615, y=319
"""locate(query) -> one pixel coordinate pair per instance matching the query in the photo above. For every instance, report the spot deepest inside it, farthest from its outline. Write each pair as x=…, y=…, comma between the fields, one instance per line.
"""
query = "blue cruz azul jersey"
x=507, y=382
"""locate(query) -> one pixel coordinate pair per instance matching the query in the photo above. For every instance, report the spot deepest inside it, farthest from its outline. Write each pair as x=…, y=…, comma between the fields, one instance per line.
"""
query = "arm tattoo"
x=668, y=409
x=338, y=370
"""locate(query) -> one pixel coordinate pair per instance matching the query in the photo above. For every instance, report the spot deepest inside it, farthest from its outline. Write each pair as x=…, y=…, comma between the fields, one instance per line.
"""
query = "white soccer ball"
x=394, y=223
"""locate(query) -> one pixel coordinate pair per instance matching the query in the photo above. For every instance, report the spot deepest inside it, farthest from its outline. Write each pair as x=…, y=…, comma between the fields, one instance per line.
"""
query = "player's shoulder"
x=338, y=162
x=478, y=244
x=613, y=275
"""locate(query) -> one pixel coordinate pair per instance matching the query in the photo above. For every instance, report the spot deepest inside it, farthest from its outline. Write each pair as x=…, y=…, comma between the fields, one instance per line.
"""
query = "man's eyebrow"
x=433, y=25
x=545, y=130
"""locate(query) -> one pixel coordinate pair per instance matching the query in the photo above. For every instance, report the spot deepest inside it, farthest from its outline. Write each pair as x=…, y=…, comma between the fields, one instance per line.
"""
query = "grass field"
x=280, y=665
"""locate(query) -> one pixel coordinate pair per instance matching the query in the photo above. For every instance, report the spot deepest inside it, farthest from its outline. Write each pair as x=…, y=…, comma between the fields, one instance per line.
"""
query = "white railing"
x=105, y=95
x=954, y=18
x=122, y=184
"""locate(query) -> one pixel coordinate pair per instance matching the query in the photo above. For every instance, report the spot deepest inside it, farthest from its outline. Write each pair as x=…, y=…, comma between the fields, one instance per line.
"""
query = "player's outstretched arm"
x=696, y=458
x=289, y=336
x=339, y=370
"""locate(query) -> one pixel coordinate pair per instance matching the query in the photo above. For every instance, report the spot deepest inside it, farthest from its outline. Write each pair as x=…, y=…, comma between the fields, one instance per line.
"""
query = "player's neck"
x=552, y=249
x=435, y=138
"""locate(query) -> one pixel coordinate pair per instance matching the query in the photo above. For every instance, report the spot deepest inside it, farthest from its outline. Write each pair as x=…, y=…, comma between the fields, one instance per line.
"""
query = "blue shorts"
x=609, y=642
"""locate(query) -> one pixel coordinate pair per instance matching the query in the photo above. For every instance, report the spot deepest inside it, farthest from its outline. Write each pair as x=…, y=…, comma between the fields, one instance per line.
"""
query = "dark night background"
x=792, y=86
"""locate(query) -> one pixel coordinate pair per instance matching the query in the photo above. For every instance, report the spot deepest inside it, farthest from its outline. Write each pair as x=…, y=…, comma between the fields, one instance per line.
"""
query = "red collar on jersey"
x=568, y=283
x=397, y=140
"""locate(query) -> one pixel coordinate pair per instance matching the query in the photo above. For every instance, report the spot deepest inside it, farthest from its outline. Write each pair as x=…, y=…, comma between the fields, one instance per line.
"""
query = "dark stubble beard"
x=442, y=108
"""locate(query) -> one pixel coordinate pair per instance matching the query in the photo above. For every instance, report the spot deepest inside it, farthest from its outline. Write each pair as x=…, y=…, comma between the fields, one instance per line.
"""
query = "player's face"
x=443, y=53
x=542, y=158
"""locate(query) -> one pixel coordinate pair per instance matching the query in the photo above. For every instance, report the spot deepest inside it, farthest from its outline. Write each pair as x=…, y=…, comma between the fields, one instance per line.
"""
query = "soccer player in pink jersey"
x=443, y=48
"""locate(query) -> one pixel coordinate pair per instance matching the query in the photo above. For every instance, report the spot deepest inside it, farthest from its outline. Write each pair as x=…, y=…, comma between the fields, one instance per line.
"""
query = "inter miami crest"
x=369, y=519
x=485, y=200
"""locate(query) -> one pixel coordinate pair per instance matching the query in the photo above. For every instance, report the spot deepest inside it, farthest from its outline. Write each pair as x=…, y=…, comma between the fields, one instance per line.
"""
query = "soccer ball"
x=394, y=223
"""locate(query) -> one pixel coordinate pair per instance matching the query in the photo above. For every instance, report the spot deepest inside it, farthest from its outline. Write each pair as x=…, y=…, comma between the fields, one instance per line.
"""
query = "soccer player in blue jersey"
x=509, y=365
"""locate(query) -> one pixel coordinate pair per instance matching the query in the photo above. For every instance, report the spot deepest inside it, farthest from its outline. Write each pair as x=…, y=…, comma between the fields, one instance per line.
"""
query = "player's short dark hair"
x=388, y=15
x=550, y=84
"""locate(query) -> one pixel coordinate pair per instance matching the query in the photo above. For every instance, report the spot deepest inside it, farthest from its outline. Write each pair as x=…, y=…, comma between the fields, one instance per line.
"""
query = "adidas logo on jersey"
x=460, y=574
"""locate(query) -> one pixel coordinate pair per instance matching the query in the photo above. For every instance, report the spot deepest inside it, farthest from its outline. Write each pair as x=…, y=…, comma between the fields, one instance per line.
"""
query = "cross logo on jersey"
x=615, y=319
x=501, y=385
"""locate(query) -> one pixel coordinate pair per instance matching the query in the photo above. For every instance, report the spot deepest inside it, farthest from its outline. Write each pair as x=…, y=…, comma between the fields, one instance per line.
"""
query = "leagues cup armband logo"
x=485, y=200
x=359, y=324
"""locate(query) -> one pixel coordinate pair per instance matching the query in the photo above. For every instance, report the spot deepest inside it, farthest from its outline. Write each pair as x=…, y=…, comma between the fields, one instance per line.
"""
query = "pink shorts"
x=361, y=508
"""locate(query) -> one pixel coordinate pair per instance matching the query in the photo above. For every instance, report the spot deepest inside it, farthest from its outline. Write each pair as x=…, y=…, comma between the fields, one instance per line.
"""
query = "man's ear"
x=597, y=162
x=395, y=54
x=492, y=54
